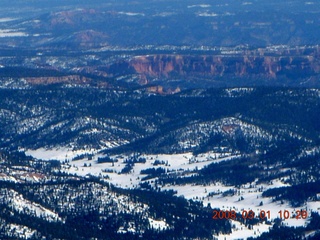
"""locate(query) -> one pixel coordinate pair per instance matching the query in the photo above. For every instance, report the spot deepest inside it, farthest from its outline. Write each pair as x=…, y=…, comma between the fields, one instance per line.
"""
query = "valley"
x=218, y=155
x=159, y=119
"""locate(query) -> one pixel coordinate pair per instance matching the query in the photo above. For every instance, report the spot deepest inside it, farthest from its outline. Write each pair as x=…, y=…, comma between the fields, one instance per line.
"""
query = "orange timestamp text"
x=262, y=214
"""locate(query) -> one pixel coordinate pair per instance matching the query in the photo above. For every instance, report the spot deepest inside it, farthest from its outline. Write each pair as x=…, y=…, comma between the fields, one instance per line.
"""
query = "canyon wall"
x=269, y=67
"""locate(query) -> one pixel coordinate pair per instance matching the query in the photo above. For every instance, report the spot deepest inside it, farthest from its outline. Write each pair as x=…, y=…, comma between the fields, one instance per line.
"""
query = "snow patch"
x=158, y=224
x=131, y=13
x=11, y=33
x=7, y=19
x=200, y=5
x=60, y=154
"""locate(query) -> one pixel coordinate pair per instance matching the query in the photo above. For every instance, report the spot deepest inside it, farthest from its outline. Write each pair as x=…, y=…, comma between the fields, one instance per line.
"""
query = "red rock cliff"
x=264, y=66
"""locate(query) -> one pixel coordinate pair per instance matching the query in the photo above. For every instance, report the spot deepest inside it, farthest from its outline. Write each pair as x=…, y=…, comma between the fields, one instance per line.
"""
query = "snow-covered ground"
x=158, y=224
x=11, y=33
x=247, y=197
x=60, y=154
x=7, y=19
x=20, y=204
x=20, y=231
x=239, y=231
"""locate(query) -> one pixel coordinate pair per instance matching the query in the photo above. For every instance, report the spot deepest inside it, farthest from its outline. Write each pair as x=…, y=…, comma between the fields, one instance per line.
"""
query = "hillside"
x=226, y=148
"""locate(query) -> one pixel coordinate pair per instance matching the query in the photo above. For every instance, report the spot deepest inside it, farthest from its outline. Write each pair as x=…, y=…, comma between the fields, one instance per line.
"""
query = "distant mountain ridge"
x=170, y=73
x=71, y=25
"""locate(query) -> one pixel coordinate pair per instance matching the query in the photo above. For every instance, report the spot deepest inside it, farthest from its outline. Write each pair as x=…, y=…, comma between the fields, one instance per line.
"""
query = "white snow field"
x=246, y=197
